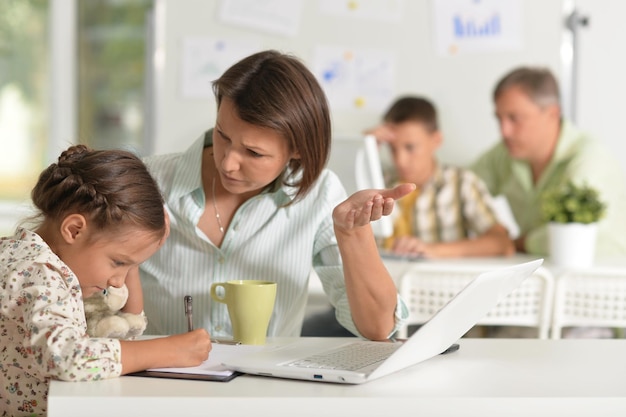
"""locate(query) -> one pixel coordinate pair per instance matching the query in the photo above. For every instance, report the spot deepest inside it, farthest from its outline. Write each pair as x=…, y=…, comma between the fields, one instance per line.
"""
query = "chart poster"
x=477, y=26
x=206, y=58
x=281, y=17
x=355, y=78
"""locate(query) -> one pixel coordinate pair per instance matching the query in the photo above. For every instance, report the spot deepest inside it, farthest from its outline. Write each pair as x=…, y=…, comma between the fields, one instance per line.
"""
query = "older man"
x=539, y=151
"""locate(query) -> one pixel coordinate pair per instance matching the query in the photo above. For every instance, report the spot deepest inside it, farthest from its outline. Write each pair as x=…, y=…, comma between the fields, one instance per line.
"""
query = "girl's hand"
x=178, y=351
x=191, y=348
x=366, y=206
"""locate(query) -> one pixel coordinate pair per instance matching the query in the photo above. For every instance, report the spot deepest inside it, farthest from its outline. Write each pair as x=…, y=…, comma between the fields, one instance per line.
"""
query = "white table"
x=486, y=377
x=397, y=268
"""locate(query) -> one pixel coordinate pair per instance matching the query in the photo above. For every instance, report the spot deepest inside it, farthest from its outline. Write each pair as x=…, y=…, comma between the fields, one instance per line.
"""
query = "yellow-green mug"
x=250, y=304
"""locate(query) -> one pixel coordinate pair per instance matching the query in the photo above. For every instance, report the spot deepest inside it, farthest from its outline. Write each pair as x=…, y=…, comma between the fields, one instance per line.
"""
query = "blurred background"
x=119, y=73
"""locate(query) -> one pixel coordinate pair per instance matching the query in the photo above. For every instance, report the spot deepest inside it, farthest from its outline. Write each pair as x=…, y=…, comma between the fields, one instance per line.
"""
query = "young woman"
x=250, y=199
x=101, y=216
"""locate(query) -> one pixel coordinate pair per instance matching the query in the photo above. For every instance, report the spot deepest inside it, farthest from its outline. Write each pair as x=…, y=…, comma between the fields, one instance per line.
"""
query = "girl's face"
x=247, y=157
x=99, y=262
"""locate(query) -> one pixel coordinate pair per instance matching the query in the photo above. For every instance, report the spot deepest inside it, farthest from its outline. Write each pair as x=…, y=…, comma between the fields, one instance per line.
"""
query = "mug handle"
x=214, y=295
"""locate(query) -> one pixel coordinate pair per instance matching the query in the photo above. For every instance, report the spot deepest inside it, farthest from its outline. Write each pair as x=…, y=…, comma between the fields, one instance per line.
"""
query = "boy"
x=450, y=213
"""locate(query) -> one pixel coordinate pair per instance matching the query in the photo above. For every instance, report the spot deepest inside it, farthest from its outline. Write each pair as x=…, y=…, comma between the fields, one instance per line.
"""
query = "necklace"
x=217, y=214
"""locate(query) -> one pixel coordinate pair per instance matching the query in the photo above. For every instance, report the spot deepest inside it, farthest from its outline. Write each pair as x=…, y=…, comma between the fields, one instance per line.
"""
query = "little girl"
x=101, y=215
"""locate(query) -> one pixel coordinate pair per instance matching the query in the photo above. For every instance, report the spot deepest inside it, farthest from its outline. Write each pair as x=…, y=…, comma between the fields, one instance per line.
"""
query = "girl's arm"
x=181, y=350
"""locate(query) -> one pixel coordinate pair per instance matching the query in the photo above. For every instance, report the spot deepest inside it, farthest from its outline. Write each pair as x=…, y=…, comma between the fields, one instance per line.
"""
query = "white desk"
x=397, y=268
x=486, y=377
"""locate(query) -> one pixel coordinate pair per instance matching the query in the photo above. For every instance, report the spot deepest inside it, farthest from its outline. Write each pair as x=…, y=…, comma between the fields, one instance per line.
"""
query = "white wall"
x=460, y=86
x=602, y=73
x=13, y=214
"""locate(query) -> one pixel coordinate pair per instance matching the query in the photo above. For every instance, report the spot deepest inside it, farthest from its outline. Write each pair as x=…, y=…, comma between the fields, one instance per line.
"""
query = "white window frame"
x=63, y=63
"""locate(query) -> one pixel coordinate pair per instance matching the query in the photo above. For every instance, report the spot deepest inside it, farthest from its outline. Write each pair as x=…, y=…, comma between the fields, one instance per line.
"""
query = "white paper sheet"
x=213, y=365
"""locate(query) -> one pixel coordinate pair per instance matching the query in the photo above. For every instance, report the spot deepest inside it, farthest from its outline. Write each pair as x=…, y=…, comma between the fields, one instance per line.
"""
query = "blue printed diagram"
x=471, y=28
x=355, y=79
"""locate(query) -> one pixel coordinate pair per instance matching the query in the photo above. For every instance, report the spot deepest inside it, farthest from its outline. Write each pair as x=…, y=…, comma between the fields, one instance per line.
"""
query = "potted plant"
x=572, y=213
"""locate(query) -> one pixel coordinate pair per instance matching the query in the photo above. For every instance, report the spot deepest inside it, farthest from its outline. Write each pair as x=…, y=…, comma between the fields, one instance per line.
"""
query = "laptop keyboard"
x=348, y=357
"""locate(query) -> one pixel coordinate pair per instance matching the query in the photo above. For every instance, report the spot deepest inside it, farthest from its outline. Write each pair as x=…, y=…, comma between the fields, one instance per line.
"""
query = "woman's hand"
x=366, y=206
x=371, y=293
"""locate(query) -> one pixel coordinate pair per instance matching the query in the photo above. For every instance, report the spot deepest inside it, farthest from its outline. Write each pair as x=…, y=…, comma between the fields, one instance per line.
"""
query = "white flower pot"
x=572, y=244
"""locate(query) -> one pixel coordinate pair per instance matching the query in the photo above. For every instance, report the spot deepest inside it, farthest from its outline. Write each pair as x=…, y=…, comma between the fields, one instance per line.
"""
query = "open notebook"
x=209, y=370
x=303, y=359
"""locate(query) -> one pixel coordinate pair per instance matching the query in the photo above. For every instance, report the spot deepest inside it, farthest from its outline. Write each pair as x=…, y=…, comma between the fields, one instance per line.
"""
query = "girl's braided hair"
x=111, y=188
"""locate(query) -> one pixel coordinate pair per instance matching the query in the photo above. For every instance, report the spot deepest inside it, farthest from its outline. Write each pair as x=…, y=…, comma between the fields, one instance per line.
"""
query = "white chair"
x=427, y=287
x=592, y=297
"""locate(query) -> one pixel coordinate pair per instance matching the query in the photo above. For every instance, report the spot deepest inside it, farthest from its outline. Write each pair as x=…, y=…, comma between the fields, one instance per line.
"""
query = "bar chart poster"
x=477, y=26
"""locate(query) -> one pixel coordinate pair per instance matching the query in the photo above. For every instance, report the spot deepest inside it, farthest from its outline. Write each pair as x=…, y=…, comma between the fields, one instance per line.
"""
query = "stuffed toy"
x=104, y=318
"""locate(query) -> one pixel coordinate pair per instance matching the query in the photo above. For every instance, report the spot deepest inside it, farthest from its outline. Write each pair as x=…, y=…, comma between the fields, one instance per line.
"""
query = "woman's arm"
x=370, y=289
x=134, y=304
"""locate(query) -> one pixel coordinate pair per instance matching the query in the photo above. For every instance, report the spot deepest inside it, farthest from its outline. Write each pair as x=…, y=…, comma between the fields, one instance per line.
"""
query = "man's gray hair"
x=538, y=83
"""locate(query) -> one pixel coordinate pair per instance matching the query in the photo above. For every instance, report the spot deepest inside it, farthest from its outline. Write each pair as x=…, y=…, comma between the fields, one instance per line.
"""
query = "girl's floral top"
x=43, y=333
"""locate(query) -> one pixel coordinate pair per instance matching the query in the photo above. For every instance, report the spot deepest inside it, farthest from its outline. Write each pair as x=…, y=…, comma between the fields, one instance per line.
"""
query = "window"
x=111, y=67
x=70, y=71
x=24, y=92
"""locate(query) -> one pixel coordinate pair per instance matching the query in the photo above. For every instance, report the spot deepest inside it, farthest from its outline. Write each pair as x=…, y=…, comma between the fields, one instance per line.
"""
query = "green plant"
x=572, y=204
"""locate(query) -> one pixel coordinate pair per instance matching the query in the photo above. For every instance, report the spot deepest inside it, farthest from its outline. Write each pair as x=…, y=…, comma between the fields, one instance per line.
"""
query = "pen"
x=189, y=312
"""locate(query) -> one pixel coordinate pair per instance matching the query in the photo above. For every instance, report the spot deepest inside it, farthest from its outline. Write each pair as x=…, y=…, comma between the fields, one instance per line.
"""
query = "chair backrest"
x=426, y=287
x=593, y=297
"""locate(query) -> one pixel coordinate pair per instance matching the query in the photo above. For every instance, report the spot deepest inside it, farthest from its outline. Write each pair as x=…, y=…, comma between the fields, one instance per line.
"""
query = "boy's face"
x=413, y=148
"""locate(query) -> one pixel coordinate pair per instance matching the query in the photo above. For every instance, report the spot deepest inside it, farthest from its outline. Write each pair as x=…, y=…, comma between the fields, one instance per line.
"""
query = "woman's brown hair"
x=277, y=91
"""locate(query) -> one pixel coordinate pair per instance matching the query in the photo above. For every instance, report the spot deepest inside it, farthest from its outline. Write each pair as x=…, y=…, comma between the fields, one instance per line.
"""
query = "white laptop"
x=303, y=358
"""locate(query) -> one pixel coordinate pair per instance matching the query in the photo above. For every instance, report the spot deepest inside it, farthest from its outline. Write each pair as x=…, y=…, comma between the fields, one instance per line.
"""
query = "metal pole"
x=569, y=58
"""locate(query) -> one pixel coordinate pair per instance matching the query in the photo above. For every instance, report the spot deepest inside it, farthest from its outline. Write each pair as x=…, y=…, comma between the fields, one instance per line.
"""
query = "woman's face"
x=247, y=157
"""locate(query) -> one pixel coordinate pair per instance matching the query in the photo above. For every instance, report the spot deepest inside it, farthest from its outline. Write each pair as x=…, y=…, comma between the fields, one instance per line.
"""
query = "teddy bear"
x=104, y=318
